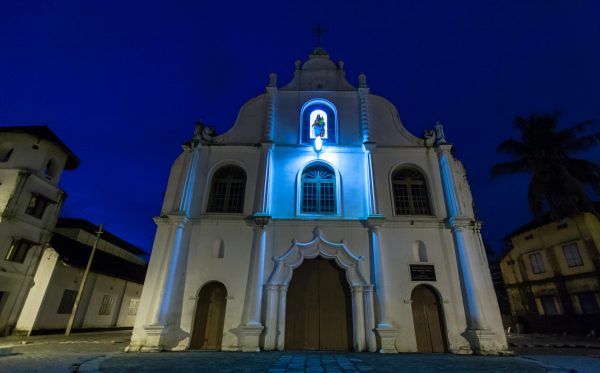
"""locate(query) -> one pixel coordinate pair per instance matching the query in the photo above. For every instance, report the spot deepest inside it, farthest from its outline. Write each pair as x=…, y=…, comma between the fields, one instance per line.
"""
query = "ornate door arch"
x=363, y=320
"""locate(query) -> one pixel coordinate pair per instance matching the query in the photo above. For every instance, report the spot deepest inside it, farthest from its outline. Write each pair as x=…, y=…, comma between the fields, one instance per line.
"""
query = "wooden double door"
x=319, y=308
x=428, y=320
x=207, y=333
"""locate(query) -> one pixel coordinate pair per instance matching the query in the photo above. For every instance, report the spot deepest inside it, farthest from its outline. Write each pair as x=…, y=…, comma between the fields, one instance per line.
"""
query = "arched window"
x=410, y=193
x=318, y=190
x=227, y=190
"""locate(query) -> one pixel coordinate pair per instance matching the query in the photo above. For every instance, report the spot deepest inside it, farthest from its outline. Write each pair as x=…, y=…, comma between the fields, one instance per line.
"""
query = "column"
x=251, y=327
x=386, y=333
x=475, y=319
x=472, y=269
x=156, y=329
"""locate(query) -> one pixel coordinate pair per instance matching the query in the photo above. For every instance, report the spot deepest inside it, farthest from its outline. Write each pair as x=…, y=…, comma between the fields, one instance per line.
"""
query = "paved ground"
x=101, y=352
x=279, y=362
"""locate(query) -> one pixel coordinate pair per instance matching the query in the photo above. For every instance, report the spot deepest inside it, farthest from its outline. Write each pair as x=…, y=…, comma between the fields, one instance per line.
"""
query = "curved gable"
x=385, y=125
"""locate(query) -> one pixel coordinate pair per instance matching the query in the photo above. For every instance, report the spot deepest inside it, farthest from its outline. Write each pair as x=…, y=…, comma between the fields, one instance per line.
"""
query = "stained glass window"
x=318, y=191
x=227, y=190
x=410, y=193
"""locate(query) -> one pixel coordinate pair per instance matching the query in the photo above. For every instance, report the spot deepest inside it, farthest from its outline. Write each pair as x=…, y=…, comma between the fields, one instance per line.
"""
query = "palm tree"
x=558, y=181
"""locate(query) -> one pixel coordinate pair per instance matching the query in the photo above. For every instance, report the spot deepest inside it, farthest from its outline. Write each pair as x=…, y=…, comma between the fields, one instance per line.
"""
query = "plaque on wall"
x=422, y=272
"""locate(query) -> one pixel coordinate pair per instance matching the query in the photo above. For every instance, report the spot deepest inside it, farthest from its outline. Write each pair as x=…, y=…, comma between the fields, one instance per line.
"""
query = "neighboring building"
x=318, y=222
x=32, y=160
x=112, y=291
x=552, y=276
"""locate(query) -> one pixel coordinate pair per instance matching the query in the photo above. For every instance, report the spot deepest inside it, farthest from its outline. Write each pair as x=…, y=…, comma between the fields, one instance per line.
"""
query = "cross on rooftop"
x=318, y=30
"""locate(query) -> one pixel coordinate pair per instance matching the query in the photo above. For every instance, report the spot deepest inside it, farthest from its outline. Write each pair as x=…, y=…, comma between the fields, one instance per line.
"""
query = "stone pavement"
x=280, y=362
x=102, y=352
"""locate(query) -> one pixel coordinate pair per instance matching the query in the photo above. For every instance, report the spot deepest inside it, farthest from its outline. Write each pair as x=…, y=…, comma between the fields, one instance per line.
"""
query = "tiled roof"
x=76, y=254
x=92, y=228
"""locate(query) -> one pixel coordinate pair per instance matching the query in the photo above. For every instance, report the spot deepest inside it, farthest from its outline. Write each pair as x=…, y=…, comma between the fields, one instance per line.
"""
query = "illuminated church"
x=318, y=222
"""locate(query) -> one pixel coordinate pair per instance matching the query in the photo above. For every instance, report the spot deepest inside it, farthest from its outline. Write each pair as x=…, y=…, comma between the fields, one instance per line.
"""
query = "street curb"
x=553, y=345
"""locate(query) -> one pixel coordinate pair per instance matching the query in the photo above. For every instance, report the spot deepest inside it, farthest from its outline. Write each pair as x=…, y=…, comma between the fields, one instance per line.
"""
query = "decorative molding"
x=318, y=246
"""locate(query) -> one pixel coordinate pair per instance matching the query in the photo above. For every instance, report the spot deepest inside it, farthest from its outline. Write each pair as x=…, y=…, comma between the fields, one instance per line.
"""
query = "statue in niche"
x=319, y=126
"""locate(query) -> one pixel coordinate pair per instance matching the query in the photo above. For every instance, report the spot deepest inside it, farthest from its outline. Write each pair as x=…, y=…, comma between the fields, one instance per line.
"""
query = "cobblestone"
x=101, y=352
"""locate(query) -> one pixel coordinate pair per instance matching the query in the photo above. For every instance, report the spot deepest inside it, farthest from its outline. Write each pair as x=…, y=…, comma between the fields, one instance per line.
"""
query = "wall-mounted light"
x=318, y=144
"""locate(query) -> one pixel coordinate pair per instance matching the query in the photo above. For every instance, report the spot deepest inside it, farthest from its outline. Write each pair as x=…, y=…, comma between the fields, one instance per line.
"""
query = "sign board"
x=422, y=272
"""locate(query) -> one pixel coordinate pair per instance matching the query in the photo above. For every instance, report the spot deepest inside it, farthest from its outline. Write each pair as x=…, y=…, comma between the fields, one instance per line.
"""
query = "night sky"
x=122, y=82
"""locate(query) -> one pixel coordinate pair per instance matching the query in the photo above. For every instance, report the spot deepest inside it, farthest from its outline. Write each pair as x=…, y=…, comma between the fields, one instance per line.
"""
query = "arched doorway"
x=428, y=320
x=318, y=312
x=207, y=332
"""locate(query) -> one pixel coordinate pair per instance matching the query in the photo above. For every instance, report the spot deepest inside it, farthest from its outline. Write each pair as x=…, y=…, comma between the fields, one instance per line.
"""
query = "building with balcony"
x=552, y=277
x=32, y=160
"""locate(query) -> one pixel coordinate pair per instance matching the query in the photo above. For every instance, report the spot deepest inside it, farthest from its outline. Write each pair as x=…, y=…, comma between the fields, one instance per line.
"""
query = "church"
x=318, y=222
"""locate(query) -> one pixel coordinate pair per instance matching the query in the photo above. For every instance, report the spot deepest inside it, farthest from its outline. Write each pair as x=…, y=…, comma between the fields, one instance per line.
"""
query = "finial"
x=440, y=138
x=298, y=64
x=362, y=81
x=340, y=65
x=272, y=80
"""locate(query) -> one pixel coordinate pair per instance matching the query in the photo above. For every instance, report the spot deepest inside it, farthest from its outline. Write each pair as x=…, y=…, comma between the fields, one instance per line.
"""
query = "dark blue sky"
x=122, y=82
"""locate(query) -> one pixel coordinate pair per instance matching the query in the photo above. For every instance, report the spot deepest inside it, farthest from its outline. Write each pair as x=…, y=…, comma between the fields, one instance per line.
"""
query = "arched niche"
x=420, y=252
x=328, y=124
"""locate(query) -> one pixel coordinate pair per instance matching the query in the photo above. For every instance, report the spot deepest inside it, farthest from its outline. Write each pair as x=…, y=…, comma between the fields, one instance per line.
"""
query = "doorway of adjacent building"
x=207, y=333
x=428, y=320
x=319, y=308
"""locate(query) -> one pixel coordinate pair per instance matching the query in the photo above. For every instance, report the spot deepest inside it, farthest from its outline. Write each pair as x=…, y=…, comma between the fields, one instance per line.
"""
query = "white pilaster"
x=468, y=269
x=371, y=339
x=474, y=275
x=281, y=320
x=372, y=201
x=262, y=196
x=271, y=317
x=358, y=318
x=252, y=327
x=386, y=333
x=156, y=329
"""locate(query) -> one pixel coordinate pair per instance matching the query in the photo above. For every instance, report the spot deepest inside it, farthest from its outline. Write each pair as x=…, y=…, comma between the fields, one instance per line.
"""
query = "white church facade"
x=317, y=222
